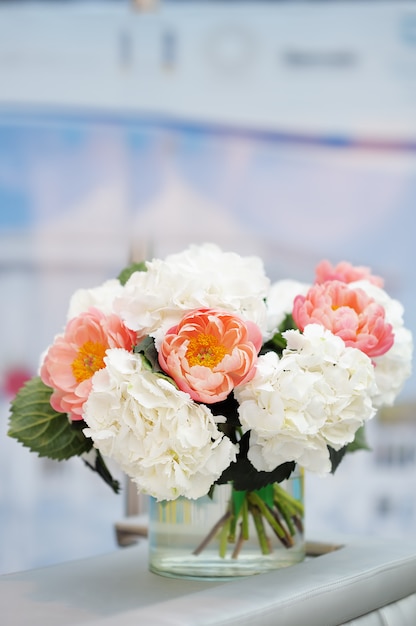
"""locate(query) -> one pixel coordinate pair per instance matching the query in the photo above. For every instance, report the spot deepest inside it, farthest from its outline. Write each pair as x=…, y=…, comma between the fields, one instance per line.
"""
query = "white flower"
x=280, y=301
x=316, y=395
x=393, y=368
x=169, y=445
x=200, y=277
x=101, y=298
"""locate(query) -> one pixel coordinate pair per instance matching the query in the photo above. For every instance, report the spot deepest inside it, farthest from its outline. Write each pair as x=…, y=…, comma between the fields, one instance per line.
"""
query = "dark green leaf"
x=267, y=495
x=287, y=324
x=101, y=468
x=238, y=498
x=245, y=477
x=229, y=409
x=276, y=344
x=360, y=441
x=148, y=349
x=35, y=424
x=128, y=271
x=336, y=457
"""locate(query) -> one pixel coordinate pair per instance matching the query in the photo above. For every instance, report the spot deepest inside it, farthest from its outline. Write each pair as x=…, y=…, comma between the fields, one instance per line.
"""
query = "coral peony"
x=209, y=353
x=348, y=313
x=75, y=356
x=345, y=272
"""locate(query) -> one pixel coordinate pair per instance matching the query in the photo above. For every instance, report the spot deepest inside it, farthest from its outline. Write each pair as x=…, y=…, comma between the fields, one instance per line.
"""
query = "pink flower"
x=209, y=353
x=348, y=313
x=76, y=355
x=345, y=272
x=14, y=379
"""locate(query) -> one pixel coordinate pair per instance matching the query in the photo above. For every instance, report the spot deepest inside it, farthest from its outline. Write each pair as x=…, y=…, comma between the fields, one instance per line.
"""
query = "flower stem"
x=281, y=495
x=244, y=522
x=239, y=543
x=224, y=538
x=232, y=528
x=261, y=533
x=282, y=512
x=258, y=502
x=212, y=533
x=287, y=538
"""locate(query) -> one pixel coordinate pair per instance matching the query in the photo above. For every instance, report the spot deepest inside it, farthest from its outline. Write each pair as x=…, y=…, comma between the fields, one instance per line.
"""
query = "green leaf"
x=244, y=475
x=148, y=349
x=35, y=424
x=287, y=324
x=229, y=409
x=336, y=457
x=278, y=343
x=128, y=271
x=238, y=498
x=360, y=441
x=267, y=495
x=102, y=470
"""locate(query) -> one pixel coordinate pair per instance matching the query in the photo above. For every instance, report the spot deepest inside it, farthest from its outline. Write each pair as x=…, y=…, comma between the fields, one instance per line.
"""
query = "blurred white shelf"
x=303, y=67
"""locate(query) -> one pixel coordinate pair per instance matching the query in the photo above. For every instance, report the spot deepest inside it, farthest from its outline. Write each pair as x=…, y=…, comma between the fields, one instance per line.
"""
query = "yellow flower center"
x=205, y=350
x=90, y=358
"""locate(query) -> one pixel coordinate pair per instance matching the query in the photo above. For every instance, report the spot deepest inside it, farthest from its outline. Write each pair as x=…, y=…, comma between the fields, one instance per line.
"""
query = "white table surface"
x=117, y=589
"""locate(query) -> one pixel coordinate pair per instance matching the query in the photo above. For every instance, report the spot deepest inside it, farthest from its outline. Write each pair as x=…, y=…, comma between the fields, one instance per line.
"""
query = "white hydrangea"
x=166, y=443
x=393, y=368
x=101, y=297
x=317, y=394
x=200, y=277
x=280, y=301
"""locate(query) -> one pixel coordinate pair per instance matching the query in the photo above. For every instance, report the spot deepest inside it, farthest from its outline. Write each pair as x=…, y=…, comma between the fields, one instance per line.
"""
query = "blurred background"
x=131, y=129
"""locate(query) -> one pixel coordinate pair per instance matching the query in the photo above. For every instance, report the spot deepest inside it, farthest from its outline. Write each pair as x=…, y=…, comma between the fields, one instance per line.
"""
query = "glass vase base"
x=228, y=534
x=213, y=568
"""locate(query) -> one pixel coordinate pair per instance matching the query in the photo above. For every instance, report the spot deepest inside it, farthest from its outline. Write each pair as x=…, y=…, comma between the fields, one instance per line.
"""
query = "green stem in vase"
x=286, y=514
x=287, y=538
x=232, y=528
x=269, y=506
x=212, y=533
x=281, y=495
x=244, y=520
x=264, y=510
x=239, y=543
x=291, y=509
x=298, y=523
x=261, y=533
x=224, y=538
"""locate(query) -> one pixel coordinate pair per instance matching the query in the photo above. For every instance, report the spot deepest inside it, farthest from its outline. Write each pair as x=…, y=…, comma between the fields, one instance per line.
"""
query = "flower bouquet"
x=196, y=371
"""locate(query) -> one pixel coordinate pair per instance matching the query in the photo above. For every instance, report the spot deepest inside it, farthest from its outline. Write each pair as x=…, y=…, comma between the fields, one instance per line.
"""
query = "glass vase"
x=231, y=534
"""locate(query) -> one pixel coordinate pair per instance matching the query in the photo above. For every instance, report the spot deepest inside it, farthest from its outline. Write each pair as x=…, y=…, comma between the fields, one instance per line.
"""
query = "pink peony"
x=345, y=272
x=348, y=313
x=209, y=353
x=76, y=355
